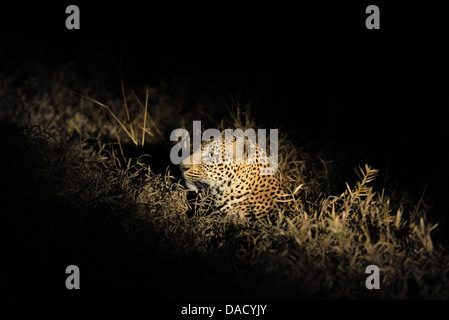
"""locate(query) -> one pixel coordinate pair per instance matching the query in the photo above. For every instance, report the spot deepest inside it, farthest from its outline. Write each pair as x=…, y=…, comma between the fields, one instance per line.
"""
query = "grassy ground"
x=78, y=189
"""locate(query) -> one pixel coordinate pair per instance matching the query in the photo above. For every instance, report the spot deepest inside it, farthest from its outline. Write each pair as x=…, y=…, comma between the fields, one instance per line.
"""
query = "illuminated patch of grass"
x=139, y=232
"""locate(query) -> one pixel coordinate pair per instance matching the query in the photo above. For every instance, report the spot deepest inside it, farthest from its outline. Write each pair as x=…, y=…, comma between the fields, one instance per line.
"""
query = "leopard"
x=246, y=187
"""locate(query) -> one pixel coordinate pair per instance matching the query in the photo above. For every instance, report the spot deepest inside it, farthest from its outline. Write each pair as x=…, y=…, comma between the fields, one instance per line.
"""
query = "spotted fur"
x=236, y=188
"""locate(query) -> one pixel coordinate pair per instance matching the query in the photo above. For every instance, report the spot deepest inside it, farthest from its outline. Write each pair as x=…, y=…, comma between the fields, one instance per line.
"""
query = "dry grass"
x=146, y=235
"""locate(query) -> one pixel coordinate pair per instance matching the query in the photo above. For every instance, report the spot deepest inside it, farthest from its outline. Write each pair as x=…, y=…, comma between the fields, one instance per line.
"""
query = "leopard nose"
x=182, y=167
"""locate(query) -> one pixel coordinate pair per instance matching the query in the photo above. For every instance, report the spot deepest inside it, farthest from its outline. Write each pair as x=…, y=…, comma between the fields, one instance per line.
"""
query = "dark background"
x=378, y=96
x=313, y=69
